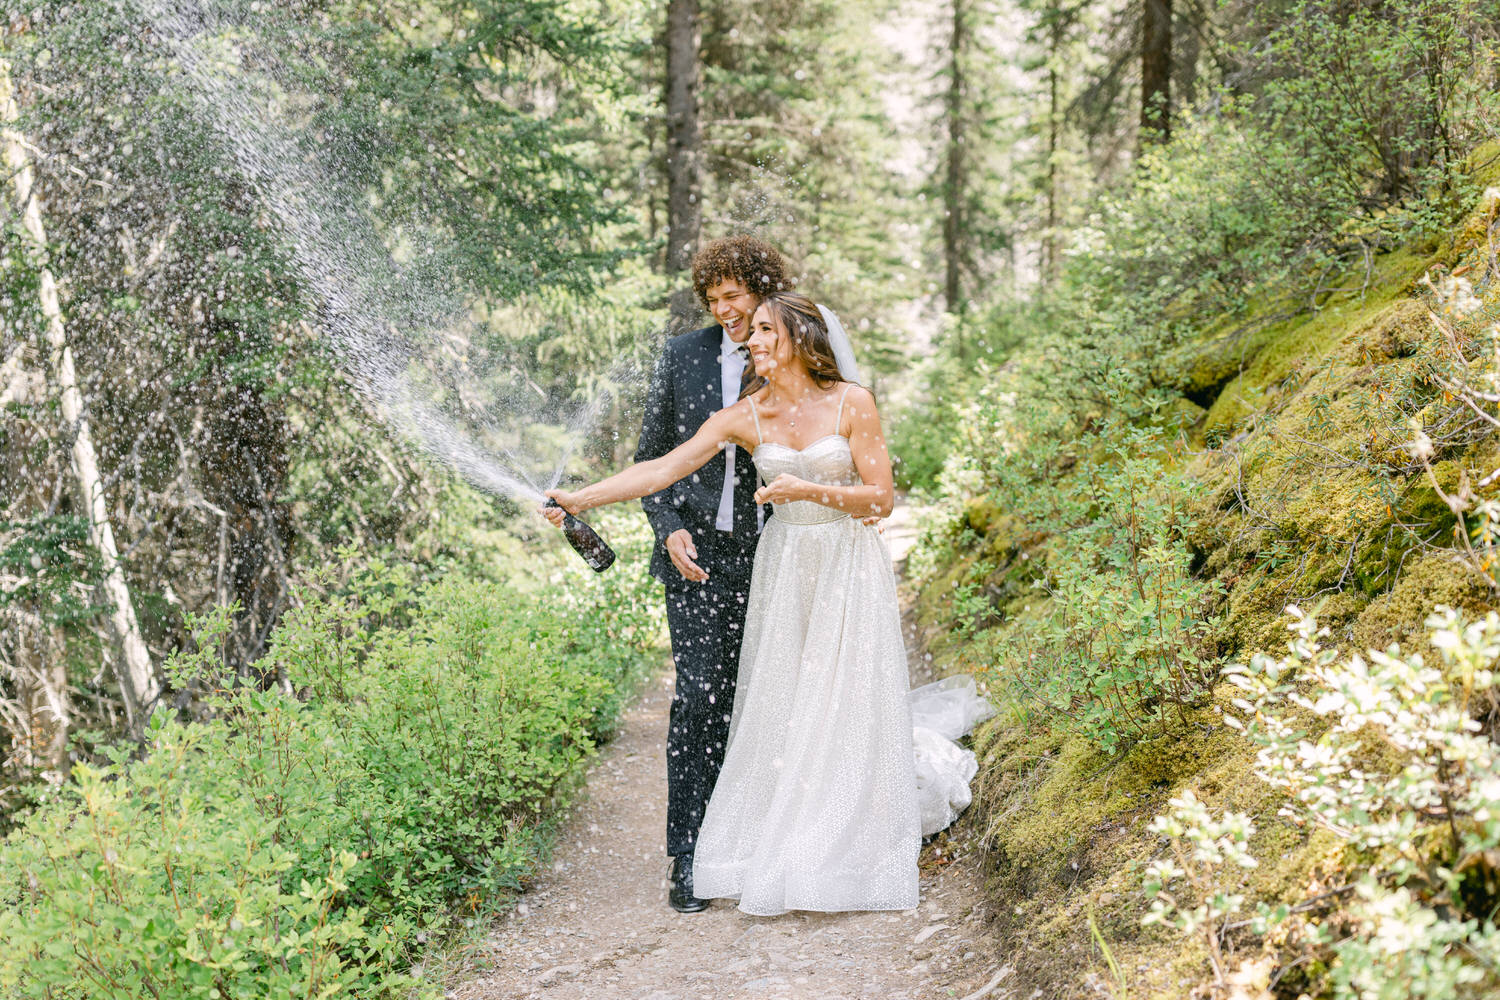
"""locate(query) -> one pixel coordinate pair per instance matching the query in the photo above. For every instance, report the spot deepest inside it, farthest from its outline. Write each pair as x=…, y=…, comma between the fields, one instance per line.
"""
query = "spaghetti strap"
x=759, y=438
x=838, y=424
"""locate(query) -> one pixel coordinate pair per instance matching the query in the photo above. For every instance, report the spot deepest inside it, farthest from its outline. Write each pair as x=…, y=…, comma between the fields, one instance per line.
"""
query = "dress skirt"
x=815, y=808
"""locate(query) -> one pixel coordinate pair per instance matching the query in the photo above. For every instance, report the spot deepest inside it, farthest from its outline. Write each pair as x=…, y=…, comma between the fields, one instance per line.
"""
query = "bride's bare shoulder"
x=860, y=397
x=735, y=422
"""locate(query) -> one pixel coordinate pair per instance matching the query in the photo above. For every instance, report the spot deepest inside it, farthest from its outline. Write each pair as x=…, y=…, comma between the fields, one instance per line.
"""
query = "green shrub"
x=1378, y=102
x=453, y=736
x=161, y=878
x=1093, y=619
x=1120, y=634
x=923, y=435
x=1396, y=766
x=308, y=838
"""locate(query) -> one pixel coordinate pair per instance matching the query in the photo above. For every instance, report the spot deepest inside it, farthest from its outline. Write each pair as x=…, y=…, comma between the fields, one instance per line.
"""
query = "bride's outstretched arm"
x=647, y=477
x=876, y=494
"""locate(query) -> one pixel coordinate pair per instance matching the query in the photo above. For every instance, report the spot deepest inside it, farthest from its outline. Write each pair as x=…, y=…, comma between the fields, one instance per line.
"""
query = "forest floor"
x=597, y=924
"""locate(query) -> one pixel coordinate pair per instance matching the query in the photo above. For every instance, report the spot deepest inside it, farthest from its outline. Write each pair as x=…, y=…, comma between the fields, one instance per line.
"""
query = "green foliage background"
x=1184, y=384
x=1214, y=410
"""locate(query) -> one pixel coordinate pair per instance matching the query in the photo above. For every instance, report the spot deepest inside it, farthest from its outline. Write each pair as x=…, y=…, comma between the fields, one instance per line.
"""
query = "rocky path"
x=598, y=926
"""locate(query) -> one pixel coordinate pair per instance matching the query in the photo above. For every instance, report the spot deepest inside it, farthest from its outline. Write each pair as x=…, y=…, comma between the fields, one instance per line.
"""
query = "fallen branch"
x=989, y=987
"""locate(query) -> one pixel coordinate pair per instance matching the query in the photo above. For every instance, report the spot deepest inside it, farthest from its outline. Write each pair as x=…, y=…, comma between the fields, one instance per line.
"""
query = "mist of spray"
x=391, y=327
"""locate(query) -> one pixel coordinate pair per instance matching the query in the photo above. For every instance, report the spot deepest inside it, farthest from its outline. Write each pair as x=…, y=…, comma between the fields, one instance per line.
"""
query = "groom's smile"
x=731, y=304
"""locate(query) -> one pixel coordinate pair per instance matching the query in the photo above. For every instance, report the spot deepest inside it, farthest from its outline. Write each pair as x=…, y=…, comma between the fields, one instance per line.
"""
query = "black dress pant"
x=707, y=622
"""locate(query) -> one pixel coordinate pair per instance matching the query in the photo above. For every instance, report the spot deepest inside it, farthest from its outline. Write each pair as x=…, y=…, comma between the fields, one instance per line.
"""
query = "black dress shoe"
x=681, y=894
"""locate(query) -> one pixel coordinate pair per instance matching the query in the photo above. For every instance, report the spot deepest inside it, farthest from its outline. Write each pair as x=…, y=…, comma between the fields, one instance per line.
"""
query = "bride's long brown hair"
x=798, y=315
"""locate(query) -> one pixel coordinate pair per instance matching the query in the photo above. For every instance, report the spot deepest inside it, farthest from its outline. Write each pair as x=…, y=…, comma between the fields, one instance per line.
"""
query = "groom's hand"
x=682, y=551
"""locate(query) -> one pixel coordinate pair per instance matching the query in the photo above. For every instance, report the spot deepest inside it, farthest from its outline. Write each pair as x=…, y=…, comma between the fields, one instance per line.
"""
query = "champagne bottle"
x=585, y=541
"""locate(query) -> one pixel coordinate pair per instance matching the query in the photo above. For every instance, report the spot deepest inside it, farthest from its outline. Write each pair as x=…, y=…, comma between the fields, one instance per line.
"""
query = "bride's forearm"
x=658, y=473
x=860, y=501
x=629, y=484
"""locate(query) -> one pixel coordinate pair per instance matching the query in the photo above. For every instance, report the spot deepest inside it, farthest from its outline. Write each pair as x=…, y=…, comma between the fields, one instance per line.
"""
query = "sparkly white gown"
x=816, y=805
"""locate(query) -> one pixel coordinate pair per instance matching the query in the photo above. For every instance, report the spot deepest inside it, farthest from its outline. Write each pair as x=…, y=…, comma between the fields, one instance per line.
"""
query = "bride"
x=816, y=806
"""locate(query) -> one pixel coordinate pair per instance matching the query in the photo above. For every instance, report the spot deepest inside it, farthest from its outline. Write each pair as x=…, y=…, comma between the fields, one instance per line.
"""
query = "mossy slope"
x=1296, y=427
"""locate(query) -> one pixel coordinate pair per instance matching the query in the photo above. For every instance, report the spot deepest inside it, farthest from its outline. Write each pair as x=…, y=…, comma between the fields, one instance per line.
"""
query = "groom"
x=706, y=528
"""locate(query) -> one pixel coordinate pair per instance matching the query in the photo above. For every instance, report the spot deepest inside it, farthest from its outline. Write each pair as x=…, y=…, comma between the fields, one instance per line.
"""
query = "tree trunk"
x=243, y=458
x=684, y=153
x=1189, y=43
x=40, y=717
x=1156, y=72
x=1054, y=135
x=19, y=382
x=137, y=678
x=955, y=168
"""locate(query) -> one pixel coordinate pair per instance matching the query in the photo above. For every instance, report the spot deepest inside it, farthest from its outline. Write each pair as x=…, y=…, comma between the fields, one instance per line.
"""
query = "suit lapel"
x=711, y=374
x=699, y=382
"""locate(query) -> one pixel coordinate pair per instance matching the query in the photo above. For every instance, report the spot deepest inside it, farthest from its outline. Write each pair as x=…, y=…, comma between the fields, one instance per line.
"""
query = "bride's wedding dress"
x=817, y=805
x=941, y=712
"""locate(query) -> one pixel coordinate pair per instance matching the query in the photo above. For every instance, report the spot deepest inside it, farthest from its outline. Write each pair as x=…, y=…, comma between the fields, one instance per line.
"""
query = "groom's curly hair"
x=747, y=259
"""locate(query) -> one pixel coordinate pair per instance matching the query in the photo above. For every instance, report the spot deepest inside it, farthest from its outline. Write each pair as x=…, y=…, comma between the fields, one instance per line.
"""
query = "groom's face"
x=732, y=304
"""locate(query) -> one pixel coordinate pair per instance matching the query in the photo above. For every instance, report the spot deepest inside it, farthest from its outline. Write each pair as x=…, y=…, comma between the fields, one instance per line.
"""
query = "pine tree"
x=972, y=180
x=684, y=153
x=1156, y=72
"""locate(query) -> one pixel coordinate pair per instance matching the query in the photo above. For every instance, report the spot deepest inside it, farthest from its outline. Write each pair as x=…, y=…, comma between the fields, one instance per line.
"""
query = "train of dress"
x=941, y=713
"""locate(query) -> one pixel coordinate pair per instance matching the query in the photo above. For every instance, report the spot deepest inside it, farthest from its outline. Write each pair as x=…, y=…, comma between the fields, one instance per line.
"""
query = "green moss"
x=1255, y=619
x=1275, y=361
x=1060, y=818
x=1065, y=833
x=1201, y=369
x=1300, y=860
x=1483, y=165
x=1392, y=333
x=1432, y=579
x=980, y=513
x=1232, y=409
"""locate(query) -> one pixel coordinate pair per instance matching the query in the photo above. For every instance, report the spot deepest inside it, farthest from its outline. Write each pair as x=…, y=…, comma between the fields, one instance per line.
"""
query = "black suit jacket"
x=686, y=389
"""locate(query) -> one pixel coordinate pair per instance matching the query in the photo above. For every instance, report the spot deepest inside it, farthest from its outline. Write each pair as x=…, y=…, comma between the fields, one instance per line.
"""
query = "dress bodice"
x=827, y=460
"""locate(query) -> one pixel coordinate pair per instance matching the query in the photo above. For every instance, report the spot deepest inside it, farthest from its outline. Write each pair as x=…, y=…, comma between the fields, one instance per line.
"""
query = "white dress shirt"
x=732, y=368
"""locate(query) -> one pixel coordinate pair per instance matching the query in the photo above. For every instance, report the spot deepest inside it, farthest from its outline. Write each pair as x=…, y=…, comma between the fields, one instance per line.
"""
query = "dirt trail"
x=597, y=925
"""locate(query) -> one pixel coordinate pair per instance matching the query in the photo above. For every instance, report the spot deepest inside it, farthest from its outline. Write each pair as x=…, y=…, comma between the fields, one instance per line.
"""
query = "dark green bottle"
x=585, y=541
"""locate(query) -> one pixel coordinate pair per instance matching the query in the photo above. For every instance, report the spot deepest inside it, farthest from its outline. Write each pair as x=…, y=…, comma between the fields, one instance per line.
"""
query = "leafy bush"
x=924, y=433
x=1383, y=100
x=162, y=879
x=1200, y=845
x=1465, y=365
x=1403, y=774
x=305, y=840
x=1119, y=634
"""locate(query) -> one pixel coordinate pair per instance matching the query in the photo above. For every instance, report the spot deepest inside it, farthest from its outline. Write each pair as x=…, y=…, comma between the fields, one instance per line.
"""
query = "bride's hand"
x=566, y=504
x=783, y=489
